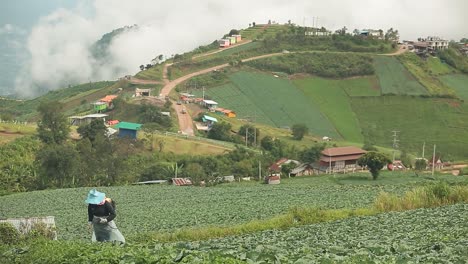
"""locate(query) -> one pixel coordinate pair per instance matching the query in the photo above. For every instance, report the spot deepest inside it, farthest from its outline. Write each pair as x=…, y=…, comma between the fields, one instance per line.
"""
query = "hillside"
x=334, y=84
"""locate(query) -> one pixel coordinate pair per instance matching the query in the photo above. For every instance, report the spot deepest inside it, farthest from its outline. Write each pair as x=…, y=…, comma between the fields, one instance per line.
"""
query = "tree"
x=91, y=130
x=233, y=32
x=220, y=131
x=53, y=127
x=312, y=154
x=59, y=165
x=299, y=131
x=267, y=143
x=142, y=67
x=356, y=31
x=374, y=161
x=392, y=35
x=420, y=164
x=253, y=24
x=250, y=133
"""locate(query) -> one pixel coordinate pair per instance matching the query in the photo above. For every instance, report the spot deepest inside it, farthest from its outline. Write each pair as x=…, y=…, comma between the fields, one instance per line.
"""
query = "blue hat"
x=95, y=197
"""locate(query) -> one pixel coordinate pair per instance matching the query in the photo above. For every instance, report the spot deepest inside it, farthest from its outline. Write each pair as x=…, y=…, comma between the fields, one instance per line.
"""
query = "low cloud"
x=59, y=43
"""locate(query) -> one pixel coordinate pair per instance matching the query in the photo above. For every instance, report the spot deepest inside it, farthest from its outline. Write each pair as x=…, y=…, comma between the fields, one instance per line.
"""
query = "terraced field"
x=270, y=100
x=459, y=82
x=433, y=121
x=394, y=78
x=331, y=98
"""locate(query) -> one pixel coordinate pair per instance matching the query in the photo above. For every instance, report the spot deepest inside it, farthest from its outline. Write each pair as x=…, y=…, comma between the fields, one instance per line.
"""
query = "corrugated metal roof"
x=210, y=118
x=128, y=125
x=108, y=98
x=181, y=181
x=339, y=158
x=211, y=102
x=342, y=151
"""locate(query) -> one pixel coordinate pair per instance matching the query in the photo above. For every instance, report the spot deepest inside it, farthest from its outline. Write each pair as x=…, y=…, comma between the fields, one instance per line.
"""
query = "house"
x=108, y=100
x=238, y=38
x=437, y=163
x=430, y=44
x=83, y=120
x=232, y=40
x=226, y=112
x=112, y=122
x=378, y=34
x=340, y=159
x=276, y=167
x=223, y=43
x=209, y=120
x=142, y=92
x=302, y=169
x=128, y=130
x=99, y=107
x=396, y=165
x=210, y=104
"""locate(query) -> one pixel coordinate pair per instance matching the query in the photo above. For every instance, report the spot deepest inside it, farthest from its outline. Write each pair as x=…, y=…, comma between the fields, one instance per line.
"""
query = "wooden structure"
x=340, y=159
x=302, y=169
x=128, y=130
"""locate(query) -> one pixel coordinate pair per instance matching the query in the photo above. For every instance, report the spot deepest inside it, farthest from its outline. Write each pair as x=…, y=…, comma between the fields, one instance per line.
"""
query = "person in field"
x=101, y=215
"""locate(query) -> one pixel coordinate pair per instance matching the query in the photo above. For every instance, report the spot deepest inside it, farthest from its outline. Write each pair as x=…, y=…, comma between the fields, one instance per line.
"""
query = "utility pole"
x=259, y=170
x=433, y=160
x=395, y=143
x=424, y=146
x=246, y=136
x=203, y=91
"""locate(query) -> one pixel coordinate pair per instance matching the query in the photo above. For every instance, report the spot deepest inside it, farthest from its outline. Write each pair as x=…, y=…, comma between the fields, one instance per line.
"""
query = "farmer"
x=101, y=214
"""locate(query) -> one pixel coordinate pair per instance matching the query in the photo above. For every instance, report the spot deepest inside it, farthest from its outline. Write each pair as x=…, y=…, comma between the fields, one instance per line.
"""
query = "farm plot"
x=394, y=78
x=436, y=235
x=333, y=101
x=433, y=121
x=425, y=235
x=458, y=82
x=156, y=208
x=272, y=101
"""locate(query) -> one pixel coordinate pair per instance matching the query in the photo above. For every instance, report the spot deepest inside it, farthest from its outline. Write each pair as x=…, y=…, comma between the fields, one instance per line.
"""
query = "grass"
x=395, y=79
x=458, y=82
x=274, y=101
x=155, y=73
x=434, y=195
x=437, y=67
x=331, y=98
x=432, y=121
x=12, y=131
x=231, y=51
x=421, y=70
x=362, y=86
x=180, y=146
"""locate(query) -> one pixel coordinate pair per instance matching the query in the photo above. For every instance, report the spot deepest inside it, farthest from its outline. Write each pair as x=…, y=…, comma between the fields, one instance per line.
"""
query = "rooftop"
x=210, y=102
x=340, y=151
x=128, y=125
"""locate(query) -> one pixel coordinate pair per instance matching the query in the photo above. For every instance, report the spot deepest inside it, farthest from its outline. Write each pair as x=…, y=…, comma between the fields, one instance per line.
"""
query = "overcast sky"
x=61, y=31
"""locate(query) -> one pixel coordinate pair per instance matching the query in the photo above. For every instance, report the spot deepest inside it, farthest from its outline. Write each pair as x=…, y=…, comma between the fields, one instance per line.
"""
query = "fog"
x=59, y=42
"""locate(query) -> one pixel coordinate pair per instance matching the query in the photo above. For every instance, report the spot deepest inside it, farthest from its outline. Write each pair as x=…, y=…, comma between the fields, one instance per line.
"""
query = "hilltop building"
x=430, y=44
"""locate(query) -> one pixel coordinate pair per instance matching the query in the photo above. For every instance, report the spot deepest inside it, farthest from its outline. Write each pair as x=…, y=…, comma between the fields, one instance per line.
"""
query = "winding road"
x=185, y=120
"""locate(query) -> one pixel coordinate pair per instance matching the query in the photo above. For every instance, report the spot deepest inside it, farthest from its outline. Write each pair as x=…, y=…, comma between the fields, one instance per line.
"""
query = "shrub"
x=9, y=234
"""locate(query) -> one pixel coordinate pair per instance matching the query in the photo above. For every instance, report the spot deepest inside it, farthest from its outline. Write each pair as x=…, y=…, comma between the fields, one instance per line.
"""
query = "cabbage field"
x=421, y=236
